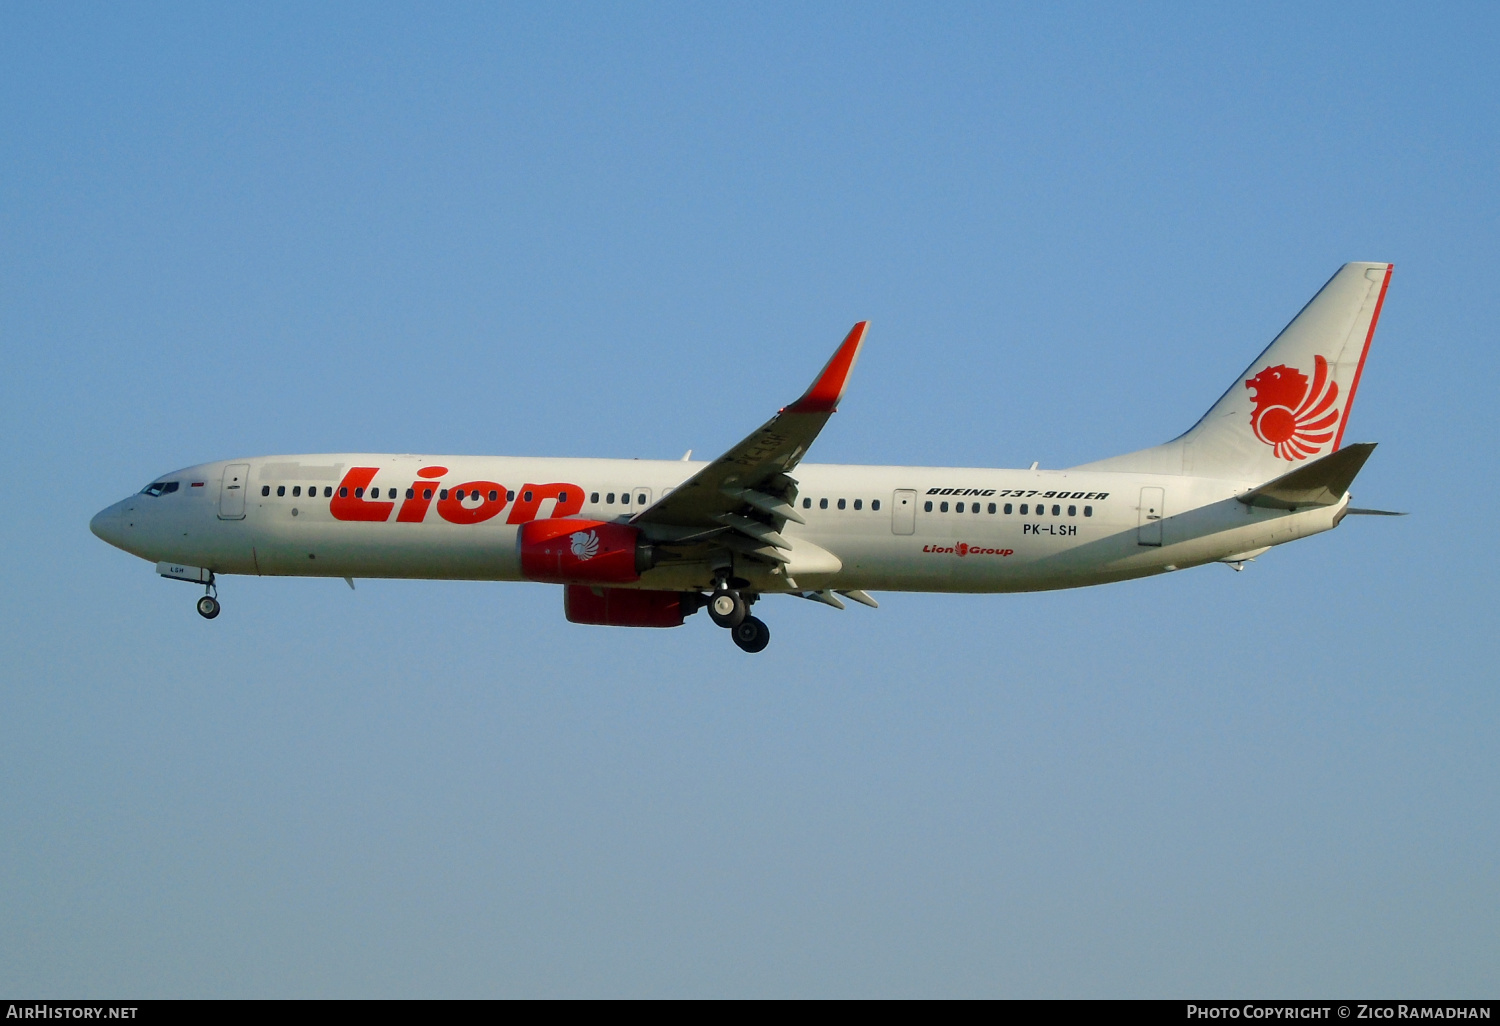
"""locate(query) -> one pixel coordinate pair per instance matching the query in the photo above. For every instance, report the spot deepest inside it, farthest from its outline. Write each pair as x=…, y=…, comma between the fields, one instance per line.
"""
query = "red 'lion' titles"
x=358, y=498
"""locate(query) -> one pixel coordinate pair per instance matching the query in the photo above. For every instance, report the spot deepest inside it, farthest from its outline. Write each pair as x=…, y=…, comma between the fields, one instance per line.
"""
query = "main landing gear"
x=728, y=609
x=208, y=605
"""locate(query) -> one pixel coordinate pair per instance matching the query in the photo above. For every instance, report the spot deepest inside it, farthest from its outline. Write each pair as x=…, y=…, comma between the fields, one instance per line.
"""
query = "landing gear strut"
x=208, y=605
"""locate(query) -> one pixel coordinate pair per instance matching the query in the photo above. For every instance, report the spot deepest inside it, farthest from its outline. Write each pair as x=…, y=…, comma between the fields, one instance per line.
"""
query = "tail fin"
x=1292, y=403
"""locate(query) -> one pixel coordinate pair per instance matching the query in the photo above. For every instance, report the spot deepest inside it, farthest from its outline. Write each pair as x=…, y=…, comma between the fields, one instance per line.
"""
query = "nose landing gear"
x=208, y=605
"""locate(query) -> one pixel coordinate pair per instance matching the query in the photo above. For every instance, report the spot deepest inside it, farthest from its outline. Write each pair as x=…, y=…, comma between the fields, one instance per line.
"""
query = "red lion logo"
x=1292, y=418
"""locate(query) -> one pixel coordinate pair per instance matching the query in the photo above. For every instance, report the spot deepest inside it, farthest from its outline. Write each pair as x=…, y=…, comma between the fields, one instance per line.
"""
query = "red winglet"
x=824, y=394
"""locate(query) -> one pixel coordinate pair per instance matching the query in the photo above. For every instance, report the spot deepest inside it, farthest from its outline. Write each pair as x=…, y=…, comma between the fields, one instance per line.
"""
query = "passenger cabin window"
x=495, y=496
x=1007, y=509
x=442, y=493
x=296, y=491
x=857, y=503
x=807, y=504
x=280, y=490
x=1072, y=511
x=640, y=500
x=927, y=506
x=992, y=507
x=1056, y=510
x=1023, y=509
x=959, y=508
x=328, y=491
x=875, y=505
x=427, y=493
x=822, y=503
x=942, y=507
x=1088, y=511
x=265, y=489
x=841, y=504
x=594, y=497
x=610, y=499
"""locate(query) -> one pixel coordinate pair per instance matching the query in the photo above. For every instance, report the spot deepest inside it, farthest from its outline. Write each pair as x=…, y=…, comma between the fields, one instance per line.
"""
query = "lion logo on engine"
x=585, y=545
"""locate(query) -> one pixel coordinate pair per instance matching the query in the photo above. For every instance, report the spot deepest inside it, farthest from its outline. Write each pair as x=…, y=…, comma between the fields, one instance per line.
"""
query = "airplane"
x=646, y=543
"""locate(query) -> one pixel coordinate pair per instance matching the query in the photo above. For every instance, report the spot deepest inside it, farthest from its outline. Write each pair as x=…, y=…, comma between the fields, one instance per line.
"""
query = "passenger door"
x=904, y=511
x=232, y=491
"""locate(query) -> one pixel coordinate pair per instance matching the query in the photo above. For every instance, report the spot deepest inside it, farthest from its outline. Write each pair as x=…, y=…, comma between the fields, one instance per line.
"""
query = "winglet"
x=824, y=394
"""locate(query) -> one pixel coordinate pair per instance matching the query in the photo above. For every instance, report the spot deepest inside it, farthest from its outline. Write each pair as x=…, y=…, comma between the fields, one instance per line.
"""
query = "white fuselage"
x=867, y=527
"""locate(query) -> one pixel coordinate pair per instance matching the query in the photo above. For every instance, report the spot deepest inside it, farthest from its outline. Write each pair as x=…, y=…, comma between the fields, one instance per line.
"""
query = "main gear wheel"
x=751, y=634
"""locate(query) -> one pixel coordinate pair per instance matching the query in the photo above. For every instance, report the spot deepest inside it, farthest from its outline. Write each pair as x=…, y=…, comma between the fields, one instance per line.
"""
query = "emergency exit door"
x=1153, y=501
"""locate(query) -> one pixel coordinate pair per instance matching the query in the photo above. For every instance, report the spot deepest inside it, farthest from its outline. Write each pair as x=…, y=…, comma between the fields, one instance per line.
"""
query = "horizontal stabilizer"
x=1373, y=512
x=1322, y=482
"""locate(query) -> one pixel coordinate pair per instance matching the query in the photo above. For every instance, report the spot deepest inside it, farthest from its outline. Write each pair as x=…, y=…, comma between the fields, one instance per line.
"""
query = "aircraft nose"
x=106, y=525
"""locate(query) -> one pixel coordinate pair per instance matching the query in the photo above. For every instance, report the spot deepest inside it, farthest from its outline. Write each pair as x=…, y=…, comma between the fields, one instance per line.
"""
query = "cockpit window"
x=160, y=488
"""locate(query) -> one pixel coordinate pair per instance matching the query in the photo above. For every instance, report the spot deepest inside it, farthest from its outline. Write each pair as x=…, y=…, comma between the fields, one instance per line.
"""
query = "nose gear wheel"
x=208, y=605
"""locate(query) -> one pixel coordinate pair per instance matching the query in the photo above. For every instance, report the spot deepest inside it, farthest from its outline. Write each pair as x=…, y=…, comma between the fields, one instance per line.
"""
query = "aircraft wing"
x=742, y=498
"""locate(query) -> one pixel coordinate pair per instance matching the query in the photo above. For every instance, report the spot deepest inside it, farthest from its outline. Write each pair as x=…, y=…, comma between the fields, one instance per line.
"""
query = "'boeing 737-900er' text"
x=638, y=543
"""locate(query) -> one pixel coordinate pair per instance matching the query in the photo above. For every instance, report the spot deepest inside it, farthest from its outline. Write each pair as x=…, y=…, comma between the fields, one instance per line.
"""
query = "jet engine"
x=569, y=551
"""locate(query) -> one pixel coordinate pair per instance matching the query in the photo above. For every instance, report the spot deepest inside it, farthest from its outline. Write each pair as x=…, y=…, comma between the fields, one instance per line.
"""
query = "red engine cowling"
x=622, y=607
x=568, y=551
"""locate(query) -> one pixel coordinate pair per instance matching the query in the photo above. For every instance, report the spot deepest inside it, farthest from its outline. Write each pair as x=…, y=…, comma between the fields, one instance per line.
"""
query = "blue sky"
x=627, y=231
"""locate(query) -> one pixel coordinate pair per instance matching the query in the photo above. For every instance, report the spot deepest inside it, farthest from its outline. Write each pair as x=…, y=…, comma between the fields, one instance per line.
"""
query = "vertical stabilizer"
x=1293, y=402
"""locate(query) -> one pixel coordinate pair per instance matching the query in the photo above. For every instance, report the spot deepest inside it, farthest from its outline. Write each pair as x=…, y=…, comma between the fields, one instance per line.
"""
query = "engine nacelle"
x=569, y=551
x=626, y=607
